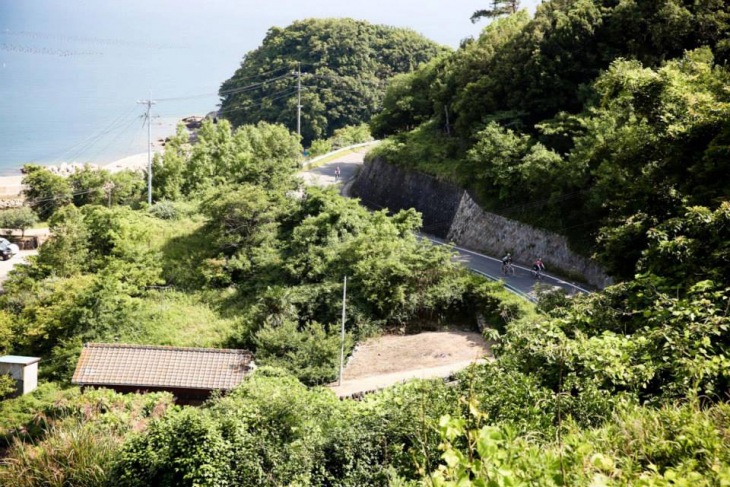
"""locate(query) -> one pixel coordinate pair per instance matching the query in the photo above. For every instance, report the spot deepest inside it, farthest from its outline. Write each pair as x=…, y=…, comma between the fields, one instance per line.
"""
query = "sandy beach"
x=11, y=186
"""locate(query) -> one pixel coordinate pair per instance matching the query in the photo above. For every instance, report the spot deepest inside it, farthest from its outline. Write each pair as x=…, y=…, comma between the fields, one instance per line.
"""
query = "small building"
x=24, y=370
x=190, y=374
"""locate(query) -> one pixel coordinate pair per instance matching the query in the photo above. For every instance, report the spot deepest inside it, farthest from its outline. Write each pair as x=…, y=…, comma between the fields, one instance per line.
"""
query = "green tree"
x=88, y=186
x=45, y=192
x=311, y=354
x=18, y=218
x=242, y=226
x=67, y=250
x=345, y=66
x=499, y=7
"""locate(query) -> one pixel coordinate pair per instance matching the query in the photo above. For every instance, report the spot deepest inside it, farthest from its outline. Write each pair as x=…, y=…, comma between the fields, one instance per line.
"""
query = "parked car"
x=7, y=249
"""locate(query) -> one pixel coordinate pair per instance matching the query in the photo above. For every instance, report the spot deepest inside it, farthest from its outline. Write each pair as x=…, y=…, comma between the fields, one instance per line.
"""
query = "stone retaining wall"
x=450, y=212
x=382, y=185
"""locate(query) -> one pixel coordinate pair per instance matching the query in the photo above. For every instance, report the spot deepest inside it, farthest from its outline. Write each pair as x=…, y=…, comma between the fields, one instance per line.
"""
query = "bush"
x=7, y=386
x=351, y=135
x=165, y=210
x=312, y=354
x=682, y=445
x=18, y=218
x=319, y=147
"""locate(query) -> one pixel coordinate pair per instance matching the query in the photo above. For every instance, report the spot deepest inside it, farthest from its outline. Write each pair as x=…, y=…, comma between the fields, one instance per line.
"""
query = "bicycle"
x=508, y=269
x=537, y=274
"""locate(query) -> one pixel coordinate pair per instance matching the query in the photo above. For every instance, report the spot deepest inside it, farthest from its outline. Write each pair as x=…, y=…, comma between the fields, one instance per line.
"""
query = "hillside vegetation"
x=346, y=65
x=627, y=386
x=596, y=119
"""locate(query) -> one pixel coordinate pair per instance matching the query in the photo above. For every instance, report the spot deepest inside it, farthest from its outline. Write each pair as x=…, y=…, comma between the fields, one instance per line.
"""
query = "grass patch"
x=180, y=319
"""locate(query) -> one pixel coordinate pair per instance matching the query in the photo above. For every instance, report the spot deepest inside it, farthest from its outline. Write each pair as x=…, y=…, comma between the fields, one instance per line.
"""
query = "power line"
x=286, y=92
x=77, y=149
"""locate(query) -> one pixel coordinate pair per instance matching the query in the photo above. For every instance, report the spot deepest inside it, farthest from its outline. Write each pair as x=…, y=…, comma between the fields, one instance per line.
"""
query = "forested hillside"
x=617, y=129
x=346, y=65
x=596, y=119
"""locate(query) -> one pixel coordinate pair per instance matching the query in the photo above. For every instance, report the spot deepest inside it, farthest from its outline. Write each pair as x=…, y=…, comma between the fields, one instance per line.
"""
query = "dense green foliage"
x=230, y=256
x=627, y=386
x=345, y=66
x=18, y=218
x=47, y=192
x=81, y=437
x=595, y=119
x=342, y=137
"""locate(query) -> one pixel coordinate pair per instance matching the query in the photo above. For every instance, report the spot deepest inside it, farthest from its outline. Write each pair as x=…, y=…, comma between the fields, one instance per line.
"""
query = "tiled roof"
x=157, y=366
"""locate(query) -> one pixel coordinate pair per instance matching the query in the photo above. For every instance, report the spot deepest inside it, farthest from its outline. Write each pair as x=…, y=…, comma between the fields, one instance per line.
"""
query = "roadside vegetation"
x=598, y=120
x=627, y=386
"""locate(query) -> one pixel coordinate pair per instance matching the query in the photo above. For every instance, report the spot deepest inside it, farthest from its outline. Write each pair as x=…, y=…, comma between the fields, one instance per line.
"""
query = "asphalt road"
x=522, y=282
x=324, y=175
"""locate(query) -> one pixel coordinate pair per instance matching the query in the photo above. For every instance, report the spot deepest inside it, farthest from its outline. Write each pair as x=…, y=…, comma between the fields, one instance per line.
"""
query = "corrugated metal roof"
x=102, y=364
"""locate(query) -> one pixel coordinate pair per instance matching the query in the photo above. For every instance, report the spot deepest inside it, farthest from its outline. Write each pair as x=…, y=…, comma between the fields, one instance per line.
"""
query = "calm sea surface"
x=71, y=71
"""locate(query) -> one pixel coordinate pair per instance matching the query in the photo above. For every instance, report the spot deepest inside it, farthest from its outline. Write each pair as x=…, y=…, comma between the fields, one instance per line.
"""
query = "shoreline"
x=11, y=187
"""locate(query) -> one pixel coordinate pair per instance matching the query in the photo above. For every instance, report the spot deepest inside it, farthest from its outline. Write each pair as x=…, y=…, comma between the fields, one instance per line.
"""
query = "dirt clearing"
x=387, y=360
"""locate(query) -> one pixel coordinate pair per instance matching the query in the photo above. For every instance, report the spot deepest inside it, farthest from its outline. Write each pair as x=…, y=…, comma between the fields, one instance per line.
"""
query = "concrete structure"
x=24, y=370
x=190, y=374
x=450, y=212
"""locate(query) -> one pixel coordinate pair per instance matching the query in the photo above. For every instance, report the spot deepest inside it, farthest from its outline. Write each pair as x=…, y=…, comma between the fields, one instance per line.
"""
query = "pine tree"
x=499, y=7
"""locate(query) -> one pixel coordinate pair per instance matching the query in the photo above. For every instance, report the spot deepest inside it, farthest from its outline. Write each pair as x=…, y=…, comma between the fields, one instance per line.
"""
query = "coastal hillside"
x=598, y=120
x=616, y=134
x=345, y=64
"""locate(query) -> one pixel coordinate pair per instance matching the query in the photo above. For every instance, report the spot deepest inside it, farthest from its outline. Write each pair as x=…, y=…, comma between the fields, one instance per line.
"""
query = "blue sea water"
x=71, y=71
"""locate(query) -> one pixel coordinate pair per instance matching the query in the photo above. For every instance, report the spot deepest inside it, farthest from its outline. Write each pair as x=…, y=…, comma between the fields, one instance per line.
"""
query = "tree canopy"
x=598, y=120
x=345, y=66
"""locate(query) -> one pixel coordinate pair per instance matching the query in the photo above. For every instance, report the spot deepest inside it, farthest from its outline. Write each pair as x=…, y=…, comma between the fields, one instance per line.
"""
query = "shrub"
x=164, y=210
x=18, y=218
x=319, y=147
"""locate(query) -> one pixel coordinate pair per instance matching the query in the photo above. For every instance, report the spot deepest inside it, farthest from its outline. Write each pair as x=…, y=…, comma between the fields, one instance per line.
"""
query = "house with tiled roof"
x=191, y=374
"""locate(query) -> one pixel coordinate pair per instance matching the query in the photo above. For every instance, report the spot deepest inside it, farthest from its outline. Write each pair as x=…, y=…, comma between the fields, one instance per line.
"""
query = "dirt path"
x=388, y=360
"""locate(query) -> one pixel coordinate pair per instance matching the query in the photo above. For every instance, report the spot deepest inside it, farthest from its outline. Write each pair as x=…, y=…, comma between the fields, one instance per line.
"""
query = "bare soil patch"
x=392, y=353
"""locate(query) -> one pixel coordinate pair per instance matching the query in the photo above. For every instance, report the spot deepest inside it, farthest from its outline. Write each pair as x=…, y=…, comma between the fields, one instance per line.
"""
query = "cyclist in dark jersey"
x=507, y=263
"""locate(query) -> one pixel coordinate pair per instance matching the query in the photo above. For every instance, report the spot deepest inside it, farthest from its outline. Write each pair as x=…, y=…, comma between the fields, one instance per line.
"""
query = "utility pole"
x=448, y=126
x=342, y=338
x=149, y=102
x=108, y=188
x=299, y=99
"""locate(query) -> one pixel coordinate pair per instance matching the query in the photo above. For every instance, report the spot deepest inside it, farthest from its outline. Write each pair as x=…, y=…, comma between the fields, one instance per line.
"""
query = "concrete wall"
x=477, y=229
x=450, y=212
x=381, y=185
x=25, y=376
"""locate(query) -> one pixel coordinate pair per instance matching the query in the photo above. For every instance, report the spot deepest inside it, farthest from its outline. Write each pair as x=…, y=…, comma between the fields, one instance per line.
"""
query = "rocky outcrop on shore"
x=11, y=203
x=66, y=169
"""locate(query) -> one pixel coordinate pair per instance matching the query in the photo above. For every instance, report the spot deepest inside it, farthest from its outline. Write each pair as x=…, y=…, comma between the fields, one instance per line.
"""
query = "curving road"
x=521, y=283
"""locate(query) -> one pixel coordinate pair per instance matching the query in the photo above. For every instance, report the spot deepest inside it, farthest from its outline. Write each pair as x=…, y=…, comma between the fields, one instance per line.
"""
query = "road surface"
x=324, y=175
x=521, y=282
